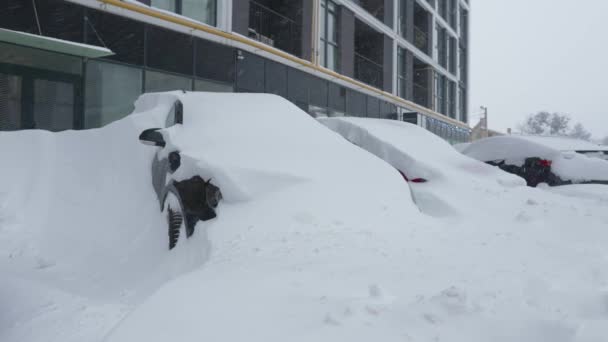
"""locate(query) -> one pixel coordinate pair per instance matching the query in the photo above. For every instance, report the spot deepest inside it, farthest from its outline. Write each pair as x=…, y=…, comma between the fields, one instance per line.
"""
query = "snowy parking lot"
x=318, y=237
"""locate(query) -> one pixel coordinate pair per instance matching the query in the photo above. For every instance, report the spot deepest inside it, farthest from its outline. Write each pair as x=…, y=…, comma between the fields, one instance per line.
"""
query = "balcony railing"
x=368, y=71
x=421, y=40
x=272, y=28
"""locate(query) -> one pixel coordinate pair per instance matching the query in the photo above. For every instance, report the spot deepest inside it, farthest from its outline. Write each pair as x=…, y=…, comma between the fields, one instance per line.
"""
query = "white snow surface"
x=515, y=149
x=563, y=143
x=317, y=239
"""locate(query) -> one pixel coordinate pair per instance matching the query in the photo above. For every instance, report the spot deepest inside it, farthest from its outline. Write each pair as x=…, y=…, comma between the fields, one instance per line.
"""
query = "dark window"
x=453, y=55
x=169, y=50
x=401, y=73
x=250, y=73
x=462, y=101
x=463, y=65
x=337, y=97
x=443, y=8
x=277, y=23
x=214, y=61
x=369, y=54
x=18, y=15
x=442, y=46
x=452, y=99
x=125, y=37
x=453, y=13
x=402, y=18
x=60, y=19
x=374, y=7
x=276, y=78
x=355, y=103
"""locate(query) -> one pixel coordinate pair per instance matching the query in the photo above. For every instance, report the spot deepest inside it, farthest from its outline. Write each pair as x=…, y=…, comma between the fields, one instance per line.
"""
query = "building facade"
x=76, y=64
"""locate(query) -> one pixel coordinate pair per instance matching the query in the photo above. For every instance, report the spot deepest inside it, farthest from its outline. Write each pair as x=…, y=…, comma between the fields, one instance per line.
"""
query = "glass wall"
x=161, y=81
x=201, y=10
x=53, y=105
x=110, y=92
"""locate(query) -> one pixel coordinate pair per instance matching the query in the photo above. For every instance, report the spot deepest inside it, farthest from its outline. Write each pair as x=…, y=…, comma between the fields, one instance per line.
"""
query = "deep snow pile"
x=317, y=240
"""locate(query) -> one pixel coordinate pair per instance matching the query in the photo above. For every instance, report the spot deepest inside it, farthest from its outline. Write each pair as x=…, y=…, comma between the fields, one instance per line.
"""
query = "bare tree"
x=559, y=124
x=535, y=123
x=545, y=123
x=579, y=132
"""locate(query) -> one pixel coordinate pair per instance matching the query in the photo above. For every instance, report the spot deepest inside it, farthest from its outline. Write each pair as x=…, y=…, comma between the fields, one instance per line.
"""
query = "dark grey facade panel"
x=388, y=64
x=276, y=78
x=389, y=10
x=250, y=73
x=240, y=16
x=337, y=97
x=347, y=41
x=356, y=103
x=373, y=107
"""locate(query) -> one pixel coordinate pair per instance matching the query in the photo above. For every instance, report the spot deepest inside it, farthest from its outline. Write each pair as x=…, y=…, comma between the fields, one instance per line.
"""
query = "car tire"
x=175, y=218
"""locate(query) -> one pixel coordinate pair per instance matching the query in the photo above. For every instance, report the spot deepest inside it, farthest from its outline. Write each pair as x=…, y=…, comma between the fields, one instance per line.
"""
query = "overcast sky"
x=532, y=55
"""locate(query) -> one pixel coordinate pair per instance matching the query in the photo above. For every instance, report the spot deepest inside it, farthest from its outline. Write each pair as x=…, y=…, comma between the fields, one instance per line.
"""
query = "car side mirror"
x=152, y=136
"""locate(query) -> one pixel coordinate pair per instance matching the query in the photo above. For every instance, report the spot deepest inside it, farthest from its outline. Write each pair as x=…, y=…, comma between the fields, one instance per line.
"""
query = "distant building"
x=373, y=58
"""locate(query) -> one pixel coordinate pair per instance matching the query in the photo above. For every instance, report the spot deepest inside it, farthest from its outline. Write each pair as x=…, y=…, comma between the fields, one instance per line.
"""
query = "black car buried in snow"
x=182, y=202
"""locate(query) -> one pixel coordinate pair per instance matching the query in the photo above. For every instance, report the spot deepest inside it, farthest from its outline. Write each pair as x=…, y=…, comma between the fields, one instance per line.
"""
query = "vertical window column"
x=328, y=48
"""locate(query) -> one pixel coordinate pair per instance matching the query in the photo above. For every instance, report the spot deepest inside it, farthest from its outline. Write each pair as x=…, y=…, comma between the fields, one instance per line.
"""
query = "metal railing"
x=368, y=71
x=272, y=28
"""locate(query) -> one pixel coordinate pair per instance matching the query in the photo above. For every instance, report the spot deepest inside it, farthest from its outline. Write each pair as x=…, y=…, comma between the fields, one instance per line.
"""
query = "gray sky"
x=532, y=55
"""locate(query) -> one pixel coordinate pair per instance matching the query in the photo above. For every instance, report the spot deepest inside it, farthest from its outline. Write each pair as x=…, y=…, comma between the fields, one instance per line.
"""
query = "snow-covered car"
x=568, y=144
x=183, y=201
x=539, y=162
x=442, y=181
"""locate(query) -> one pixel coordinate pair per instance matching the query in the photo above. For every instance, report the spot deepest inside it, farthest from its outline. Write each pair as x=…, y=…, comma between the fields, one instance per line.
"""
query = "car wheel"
x=176, y=223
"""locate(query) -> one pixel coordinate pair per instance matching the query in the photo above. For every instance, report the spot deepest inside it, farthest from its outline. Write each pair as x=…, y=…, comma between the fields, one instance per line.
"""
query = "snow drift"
x=317, y=240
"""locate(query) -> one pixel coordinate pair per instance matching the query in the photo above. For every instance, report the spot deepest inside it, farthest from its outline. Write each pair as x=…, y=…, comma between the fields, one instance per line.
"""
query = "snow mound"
x=318, y=239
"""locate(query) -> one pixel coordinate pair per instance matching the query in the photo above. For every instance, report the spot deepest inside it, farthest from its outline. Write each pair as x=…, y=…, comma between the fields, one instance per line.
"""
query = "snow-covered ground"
x=317, y=239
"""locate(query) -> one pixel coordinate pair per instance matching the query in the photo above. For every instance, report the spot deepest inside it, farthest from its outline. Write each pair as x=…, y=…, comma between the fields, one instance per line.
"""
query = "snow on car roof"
x=564, y=143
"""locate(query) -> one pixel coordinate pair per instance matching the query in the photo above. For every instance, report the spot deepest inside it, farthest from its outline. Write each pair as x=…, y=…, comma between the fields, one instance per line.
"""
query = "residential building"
x=75, y=64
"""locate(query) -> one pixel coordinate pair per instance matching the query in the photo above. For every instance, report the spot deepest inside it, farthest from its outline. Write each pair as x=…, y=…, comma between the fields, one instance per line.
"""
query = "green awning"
x=53, y=44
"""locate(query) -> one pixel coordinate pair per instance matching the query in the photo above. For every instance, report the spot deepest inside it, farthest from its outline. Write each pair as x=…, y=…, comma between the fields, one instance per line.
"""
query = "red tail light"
x=545, y=163
x=415, y=180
